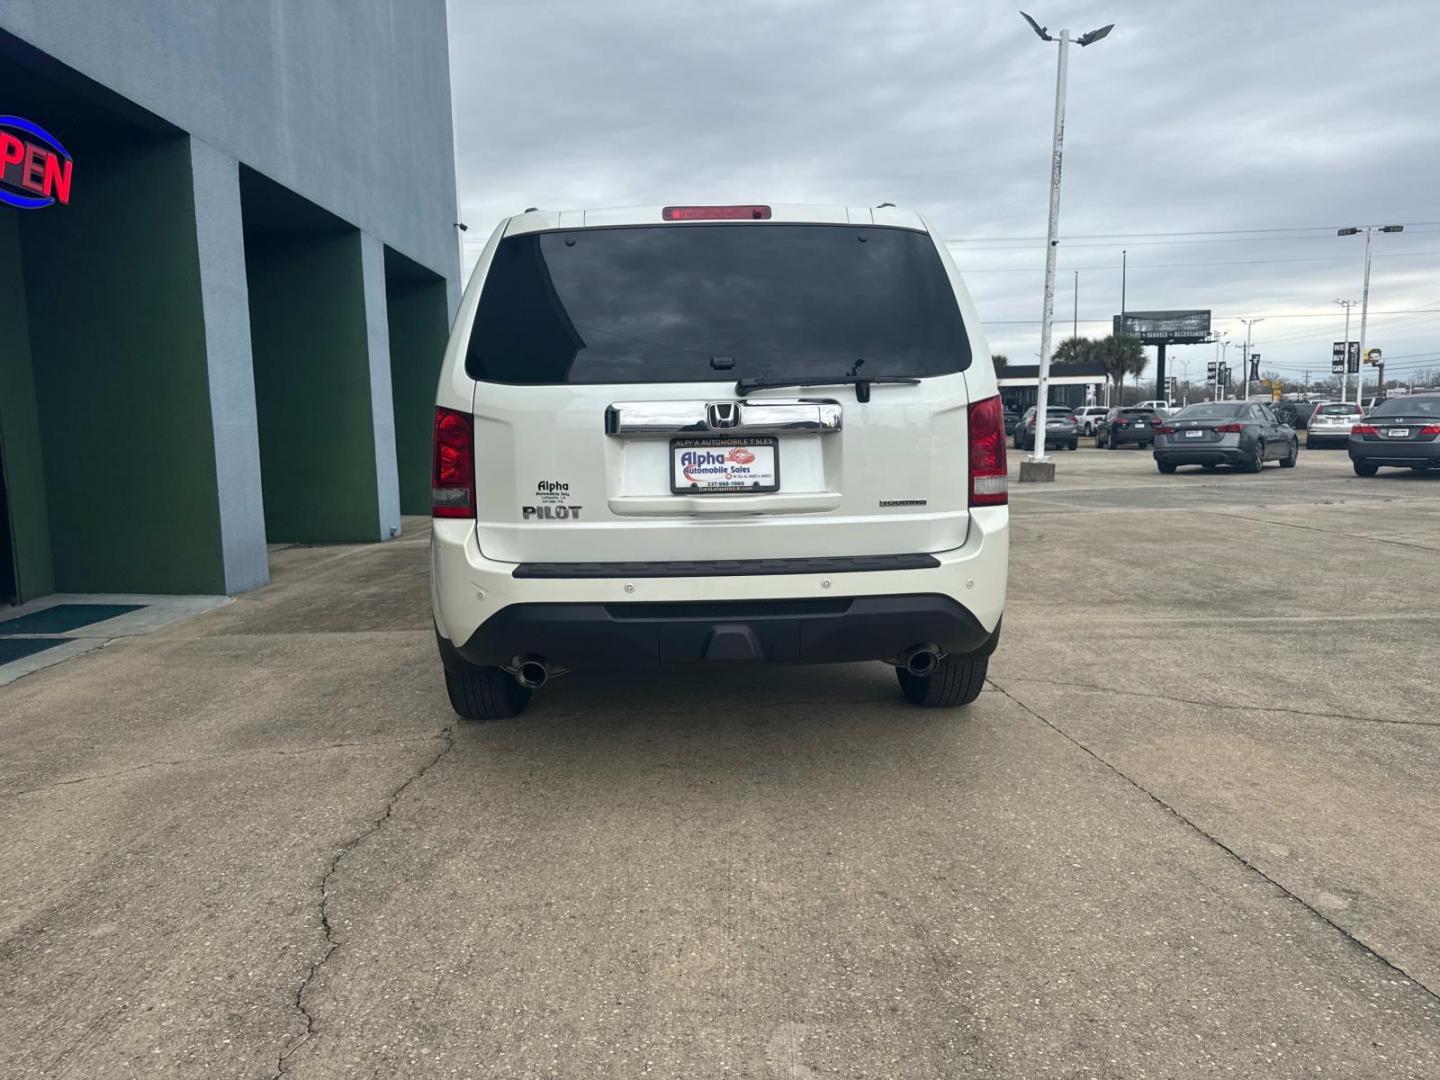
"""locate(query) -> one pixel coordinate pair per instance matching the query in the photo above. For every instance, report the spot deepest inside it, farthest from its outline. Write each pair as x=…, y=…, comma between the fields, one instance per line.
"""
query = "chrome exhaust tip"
x=531, y=672
x=921, y=660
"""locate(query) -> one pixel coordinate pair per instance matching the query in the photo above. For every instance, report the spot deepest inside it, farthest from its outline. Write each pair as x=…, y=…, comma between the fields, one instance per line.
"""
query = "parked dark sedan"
x=1402, y=432
x=1128, y=425
x=1237, y=433
x=1011, y=419
x=1060, y=430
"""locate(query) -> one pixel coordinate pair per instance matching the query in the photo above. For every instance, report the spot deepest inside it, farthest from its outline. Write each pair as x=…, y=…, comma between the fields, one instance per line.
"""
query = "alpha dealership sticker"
x=552, y=503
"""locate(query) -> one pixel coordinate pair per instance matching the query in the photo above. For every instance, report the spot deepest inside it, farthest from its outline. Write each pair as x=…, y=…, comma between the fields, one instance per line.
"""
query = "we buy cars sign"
x=35, y=169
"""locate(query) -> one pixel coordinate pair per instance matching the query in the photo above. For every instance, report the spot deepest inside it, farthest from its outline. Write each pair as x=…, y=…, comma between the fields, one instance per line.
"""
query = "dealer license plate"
x=1399, y=433
x=717, y=466
x=1195, y=434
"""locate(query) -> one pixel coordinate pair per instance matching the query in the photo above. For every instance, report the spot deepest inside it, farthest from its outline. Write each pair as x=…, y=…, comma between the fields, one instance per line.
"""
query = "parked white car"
x=716, y=435
x=1089, y=417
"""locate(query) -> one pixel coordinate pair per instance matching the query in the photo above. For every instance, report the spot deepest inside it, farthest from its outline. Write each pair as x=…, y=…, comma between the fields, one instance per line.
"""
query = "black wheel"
x=1110, y=443
x=1289, y=460
x=1366, y=468
x=1208, y=468
x=1166, y=467
x=485, y=693
x=1256, y=461
x=955, y=682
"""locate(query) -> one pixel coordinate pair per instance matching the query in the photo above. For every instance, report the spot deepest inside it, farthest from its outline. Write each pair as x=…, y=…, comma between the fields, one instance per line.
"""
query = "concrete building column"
x=224, y=298
x=382, y=408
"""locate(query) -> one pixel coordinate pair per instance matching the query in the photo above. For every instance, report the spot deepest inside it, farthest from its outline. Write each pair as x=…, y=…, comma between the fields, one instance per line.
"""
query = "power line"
x=1329, y=230
x=1185, y=266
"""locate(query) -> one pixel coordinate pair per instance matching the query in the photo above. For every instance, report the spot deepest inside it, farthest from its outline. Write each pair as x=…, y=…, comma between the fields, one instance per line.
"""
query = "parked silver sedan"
x=1402, y=432
x=1330, y=424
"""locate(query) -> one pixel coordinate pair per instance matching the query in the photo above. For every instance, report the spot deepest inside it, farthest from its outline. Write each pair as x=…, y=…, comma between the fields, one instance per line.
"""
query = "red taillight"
x=989, y=471
x=1366, y=429
x=1163, y=429
x=716, y=213
x=1430, y=429
x=1230, y=429
x=452, y=478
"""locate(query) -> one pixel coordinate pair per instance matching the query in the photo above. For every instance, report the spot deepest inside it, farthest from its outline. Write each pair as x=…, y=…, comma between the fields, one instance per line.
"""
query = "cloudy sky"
x=1219, y=143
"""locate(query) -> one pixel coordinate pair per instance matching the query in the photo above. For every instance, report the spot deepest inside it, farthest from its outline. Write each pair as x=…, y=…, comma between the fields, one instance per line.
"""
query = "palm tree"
x=1000, y=360
x=1120, y=355
x=1075, y=350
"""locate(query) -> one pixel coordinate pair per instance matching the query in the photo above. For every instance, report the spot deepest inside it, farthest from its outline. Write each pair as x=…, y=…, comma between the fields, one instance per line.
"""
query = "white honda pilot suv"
x=716, y=435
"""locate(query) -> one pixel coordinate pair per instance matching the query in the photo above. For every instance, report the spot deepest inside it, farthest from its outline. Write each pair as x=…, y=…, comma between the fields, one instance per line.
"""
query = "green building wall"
x=117, y=339
x=20, y=441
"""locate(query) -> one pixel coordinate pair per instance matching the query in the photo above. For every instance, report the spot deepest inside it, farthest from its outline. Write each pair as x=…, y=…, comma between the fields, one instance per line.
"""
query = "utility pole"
x=1075, y=317
x=1042, y=394
x=1124, y=260
x=1365, y=306
x=1345, y=371
x=1245, y=360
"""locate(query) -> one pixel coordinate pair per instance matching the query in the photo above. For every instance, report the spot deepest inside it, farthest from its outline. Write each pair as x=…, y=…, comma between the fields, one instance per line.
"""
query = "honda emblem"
x=720, y=415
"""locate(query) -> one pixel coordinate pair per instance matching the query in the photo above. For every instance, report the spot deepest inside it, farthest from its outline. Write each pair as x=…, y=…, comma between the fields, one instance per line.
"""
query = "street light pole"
x=1245, y=360
x=1042, y=390
x=1345, y=368
x=1365, y=306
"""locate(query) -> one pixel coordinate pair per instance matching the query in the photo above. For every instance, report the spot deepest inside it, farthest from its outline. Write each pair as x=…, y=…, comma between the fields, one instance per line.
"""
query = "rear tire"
x=1256, y=462
x=956, y=682
x=1166, y=467
x=485, y=693
x=1366, y=468
x=1289, y=460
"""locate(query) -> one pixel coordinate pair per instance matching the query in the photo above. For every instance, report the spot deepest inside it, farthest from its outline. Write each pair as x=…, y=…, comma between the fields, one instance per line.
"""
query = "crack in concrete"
x=1222, y=705
x=1328, y=532
x=332, y=943
x=1226, y=848
x=201, y=759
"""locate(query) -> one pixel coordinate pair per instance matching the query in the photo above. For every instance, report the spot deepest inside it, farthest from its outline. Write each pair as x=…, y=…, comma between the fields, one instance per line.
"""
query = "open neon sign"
x=35, y=169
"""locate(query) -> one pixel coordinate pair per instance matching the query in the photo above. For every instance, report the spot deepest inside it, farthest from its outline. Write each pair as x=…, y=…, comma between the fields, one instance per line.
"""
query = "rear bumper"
x=1121, y=437
x=1326, y=438
x=1399, y=454
x=611, y=636
x=1218, y=455
x=488, y=614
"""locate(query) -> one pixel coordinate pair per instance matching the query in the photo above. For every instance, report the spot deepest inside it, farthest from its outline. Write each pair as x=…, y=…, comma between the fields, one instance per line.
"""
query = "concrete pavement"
x=1190, y=828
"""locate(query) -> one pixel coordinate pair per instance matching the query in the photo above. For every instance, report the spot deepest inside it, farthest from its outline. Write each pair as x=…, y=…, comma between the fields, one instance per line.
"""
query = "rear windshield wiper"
x=860, y=382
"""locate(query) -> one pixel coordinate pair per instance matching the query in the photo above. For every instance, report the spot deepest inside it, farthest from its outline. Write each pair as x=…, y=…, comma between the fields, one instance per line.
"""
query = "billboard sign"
x=35, y=169
x=1165, y=327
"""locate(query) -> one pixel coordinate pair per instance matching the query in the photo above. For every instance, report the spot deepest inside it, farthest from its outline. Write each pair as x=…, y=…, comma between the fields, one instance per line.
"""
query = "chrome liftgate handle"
x=741, y=418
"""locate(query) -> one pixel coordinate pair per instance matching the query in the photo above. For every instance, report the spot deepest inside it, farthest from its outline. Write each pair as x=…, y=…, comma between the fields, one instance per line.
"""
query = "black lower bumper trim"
x=847, y=564
x=830, y=630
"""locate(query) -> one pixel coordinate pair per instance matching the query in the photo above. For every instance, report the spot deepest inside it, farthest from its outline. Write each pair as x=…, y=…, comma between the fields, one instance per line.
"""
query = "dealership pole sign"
x=1164, y=327
x=35, y=169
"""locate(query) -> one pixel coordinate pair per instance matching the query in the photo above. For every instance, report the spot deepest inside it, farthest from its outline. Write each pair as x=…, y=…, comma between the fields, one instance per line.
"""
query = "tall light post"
x=1220, y=339
x=1225, y=343
x=1042, y=390
x=1345, y=368
x=1245, y=360
x=1365, y=304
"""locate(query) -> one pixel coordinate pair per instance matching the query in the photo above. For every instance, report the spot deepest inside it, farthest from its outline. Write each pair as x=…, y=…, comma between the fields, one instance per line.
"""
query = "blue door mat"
x=17, y=648
x=62, y=618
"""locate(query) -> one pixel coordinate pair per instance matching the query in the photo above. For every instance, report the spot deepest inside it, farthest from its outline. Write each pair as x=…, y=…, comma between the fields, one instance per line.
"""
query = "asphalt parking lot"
x=1192, y=827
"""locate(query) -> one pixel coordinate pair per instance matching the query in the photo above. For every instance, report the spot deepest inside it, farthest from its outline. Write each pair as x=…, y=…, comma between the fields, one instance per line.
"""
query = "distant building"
x=228, y=265
x=1072, y=385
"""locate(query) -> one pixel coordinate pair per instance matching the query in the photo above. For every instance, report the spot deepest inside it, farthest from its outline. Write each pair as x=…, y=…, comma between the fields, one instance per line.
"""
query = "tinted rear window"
x=1337, y=410
x=1218, y=411
x=658, y=303
x=1409, y=406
